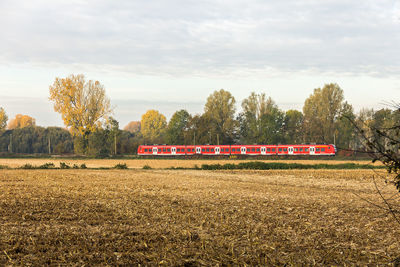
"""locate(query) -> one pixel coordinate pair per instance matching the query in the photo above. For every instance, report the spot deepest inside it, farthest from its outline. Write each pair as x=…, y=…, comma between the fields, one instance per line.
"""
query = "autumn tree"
x=133, y=127
x=3, y=119
x=153, y=125
x=344, y=132
x=363, y=122
x=37, y=140
x=198, y=131
x=321, y=112
x=261, y=120
x=21, y=121
x=220, y=111
x=293, y=127
x=83, y=104
x=176, y=127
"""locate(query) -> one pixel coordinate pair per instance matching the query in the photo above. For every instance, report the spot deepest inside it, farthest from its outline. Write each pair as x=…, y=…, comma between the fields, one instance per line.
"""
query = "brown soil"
x=188, y=217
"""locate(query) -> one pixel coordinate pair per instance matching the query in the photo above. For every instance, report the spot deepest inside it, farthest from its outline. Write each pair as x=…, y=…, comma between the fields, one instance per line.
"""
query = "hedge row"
x=257, y=165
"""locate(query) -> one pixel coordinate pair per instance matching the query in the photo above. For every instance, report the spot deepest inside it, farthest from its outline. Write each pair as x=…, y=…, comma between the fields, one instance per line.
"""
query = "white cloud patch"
x=204, y=37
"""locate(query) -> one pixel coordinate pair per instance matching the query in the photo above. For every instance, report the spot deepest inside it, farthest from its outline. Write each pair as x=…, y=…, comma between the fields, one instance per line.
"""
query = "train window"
x=317, y=149
x=280, y=149
x=296, y=150
x=306, y=149
x=301, y=149
x=258, y=150
x=204, y=150
x=268, y=149
x=253, y=150
x=285, y=150
x=208, y=150
x=168, y=150
x=164, y=150
x=212, y=149
x=323, y=149
x=273, y=150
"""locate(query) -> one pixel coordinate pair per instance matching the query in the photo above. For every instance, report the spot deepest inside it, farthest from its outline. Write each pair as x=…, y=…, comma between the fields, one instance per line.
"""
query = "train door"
x=154, y=151
x=263, y=151
x=198, y=150
x=243, y=150
x=217, y=150
x=312, y=150
x=173, y=150
x=290, y=150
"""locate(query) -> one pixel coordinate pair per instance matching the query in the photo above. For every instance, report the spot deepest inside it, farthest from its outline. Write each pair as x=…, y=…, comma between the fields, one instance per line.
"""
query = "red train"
x=251, y=150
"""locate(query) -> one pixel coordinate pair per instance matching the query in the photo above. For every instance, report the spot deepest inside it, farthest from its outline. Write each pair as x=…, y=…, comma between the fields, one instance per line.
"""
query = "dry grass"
x=188, y=217
x=154, y=163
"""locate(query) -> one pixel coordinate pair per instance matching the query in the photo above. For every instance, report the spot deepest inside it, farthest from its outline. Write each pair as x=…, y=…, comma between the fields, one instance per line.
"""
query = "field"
x=193, y=217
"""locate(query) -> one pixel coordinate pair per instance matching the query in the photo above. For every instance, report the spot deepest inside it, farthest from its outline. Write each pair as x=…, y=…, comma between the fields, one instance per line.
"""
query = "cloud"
x=204, y=37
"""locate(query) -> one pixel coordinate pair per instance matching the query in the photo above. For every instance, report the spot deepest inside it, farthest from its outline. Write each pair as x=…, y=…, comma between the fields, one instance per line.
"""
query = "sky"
x=171, y=55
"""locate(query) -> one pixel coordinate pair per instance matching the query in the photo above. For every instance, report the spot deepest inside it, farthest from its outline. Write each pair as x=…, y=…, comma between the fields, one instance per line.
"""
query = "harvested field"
x=156, y=163
x=189, y=217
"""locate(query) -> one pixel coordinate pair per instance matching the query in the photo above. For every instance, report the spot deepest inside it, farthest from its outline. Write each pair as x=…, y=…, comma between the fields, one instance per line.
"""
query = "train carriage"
x=250, y=150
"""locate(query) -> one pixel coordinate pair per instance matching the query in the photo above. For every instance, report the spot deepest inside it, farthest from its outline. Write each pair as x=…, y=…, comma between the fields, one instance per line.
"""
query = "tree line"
x=86, y=111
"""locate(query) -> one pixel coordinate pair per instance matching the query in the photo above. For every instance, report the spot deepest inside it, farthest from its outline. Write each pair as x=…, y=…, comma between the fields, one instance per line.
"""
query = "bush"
x=146, y=167
x=3, y=167
x=121, y=166
x=48, y=165
x=27, y=166
x=83, y=166
x=64, y=165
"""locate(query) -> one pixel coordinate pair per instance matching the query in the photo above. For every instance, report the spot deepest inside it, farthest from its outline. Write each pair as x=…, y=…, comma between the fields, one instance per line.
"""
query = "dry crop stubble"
x=193, y=217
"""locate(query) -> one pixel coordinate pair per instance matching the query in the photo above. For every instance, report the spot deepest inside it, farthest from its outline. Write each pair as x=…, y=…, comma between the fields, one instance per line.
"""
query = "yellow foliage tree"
x=3, y=119
x=153, y=126
x=21, y=121
x=83, y=105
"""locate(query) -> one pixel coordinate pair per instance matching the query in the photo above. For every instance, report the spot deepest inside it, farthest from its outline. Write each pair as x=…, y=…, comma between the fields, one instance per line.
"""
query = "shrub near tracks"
x=257, y=165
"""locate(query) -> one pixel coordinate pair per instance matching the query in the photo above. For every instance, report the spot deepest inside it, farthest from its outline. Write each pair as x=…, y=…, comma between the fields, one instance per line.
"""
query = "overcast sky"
x=169, y=55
